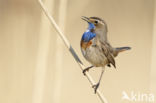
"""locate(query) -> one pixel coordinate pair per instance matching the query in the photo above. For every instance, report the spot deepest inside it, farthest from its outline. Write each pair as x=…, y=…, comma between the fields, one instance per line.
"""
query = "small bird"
x=95, y=47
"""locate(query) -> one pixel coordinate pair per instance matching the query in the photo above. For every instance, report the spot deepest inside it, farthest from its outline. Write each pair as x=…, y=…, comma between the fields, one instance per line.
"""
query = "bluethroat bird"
x=95, y=47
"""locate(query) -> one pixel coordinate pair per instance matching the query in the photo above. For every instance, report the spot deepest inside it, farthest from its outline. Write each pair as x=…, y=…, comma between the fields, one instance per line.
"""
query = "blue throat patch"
x=88, y=35
x=91, y=26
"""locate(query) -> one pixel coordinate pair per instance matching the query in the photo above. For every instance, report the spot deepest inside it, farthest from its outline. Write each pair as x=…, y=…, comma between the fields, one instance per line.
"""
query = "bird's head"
x=96, y=21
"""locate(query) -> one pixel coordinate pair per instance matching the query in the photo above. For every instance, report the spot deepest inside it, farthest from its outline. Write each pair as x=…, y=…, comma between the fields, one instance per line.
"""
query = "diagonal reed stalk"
x=71, y=50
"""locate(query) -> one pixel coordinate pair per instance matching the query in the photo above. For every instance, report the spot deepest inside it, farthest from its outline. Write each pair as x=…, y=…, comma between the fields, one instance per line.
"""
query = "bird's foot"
x=95, y=87
x=86, y=69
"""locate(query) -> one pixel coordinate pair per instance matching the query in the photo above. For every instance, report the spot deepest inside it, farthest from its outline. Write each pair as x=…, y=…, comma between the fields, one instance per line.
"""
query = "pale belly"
x=95, y=56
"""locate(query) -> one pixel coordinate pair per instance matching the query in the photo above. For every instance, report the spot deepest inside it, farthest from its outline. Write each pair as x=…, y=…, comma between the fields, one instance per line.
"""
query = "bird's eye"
x=96, y=22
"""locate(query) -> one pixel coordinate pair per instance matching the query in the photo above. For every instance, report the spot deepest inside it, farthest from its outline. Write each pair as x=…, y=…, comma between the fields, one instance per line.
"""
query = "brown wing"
x=108, y=54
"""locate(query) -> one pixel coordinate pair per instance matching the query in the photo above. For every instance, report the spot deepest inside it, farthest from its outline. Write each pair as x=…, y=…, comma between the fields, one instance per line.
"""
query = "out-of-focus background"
x=36, y=67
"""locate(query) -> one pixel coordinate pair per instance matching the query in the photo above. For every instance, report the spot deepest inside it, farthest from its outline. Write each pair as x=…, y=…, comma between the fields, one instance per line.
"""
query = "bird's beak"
x=85, y=18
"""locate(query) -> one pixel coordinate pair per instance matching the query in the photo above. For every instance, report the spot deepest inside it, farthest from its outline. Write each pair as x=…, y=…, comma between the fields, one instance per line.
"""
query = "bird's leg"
x=97, y=85
x=108, y=65
x=86, y=69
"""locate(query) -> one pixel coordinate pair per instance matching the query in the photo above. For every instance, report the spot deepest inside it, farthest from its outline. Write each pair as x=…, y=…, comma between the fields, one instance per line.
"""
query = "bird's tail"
x=121, y=49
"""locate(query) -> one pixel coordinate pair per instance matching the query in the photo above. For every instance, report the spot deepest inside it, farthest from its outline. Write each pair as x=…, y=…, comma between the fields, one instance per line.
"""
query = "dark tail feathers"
x=121, y=49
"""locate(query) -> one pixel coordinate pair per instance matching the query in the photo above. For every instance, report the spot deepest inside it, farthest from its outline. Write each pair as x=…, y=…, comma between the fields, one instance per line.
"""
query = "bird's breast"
x=93, y=53
x=85, y=45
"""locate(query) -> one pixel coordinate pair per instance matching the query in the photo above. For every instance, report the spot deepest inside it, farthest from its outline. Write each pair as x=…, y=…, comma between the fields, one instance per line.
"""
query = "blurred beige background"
x=36, y=67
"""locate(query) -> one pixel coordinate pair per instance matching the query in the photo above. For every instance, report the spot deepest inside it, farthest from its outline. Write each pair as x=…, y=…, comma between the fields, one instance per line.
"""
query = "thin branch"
x=67, y=44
